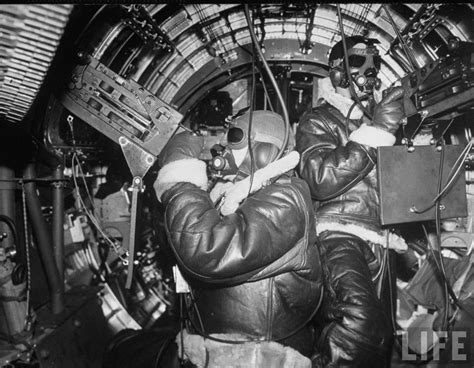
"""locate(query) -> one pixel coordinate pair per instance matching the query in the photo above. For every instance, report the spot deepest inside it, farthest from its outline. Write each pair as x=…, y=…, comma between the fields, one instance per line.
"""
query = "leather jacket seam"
x=306, y=231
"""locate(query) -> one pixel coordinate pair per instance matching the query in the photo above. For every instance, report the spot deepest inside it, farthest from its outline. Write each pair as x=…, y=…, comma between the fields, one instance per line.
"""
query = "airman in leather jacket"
x=338, y=163
x=254, y=272
x=339, y=172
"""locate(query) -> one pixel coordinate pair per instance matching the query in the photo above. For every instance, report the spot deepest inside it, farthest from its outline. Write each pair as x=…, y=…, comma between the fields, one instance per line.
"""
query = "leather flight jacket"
x=340, y=173
x=255, y=272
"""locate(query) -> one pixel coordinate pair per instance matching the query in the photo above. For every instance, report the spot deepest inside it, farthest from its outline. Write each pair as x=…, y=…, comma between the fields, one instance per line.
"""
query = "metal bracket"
x=411, y=82
x=411, y=127
x=146, y=28
x=118, y=107
x=137, y=188
x=139, y=161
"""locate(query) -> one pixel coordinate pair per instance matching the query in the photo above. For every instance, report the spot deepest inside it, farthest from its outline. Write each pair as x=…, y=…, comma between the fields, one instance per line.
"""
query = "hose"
x=272, y=79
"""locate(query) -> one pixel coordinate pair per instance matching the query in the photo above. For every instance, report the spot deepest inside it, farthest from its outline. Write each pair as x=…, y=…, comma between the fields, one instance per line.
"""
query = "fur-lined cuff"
x=372, y=136
x=394, y=242
x=182, y=171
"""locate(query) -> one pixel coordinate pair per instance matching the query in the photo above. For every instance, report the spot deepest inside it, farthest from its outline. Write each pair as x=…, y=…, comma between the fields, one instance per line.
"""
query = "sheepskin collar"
x=328, y=93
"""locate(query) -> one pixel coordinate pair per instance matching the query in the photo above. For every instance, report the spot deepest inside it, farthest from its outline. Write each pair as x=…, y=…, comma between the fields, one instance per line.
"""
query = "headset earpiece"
x=338, y=77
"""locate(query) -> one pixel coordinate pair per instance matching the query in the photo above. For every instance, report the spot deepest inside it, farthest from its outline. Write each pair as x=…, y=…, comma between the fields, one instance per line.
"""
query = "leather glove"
x=179, y=163
x=389, y=113
x=181, y=146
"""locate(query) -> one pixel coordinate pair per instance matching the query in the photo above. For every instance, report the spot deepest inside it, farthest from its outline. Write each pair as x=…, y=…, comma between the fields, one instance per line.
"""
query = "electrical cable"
x=160, y=296
x=103, y=252
x=262, y=26
x=234, y=342
x=203, y=18
x=441, y=262
x=275, y=84
x=390, y=289
x=33, y=180
x=79, y=165
x=347, y=66
x=400, y=39
x=181, y=321
x=91, y=216
x=445, y=128
x=196, y=309
x=450, y=179
x=447, y=292
x=92, y=262
x=441, y=273
x=249, y=129
x=28, y=316
x=460, y=159
x=91, y=201
x=95, y=221
x=440, y=270
x=436, y=253
x=300, y=44
x=237, y=342
x=305, y=46
x=89, y=23
x=457, y=166
x=267, y=95
x=348, y=117
x=361, y=17
x=415, y=131
x=445, y=289
x=418, y=247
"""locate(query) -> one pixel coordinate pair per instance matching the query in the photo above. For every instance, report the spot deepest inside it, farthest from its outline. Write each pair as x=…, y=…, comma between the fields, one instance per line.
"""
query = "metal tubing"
x=286, y=117
x=14, y=311
x=7, y=203
x=58, y=221
x=44, y=239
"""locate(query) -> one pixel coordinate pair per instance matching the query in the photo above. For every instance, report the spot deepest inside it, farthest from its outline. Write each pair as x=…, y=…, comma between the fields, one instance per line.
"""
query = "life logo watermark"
x=422, y=344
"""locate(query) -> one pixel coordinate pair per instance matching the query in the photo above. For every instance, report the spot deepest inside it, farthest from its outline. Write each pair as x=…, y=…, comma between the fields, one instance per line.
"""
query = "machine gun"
x=443, y=89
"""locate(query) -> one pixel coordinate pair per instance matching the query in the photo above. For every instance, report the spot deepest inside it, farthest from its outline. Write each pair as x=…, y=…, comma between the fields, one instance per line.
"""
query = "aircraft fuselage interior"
x=90, y=96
